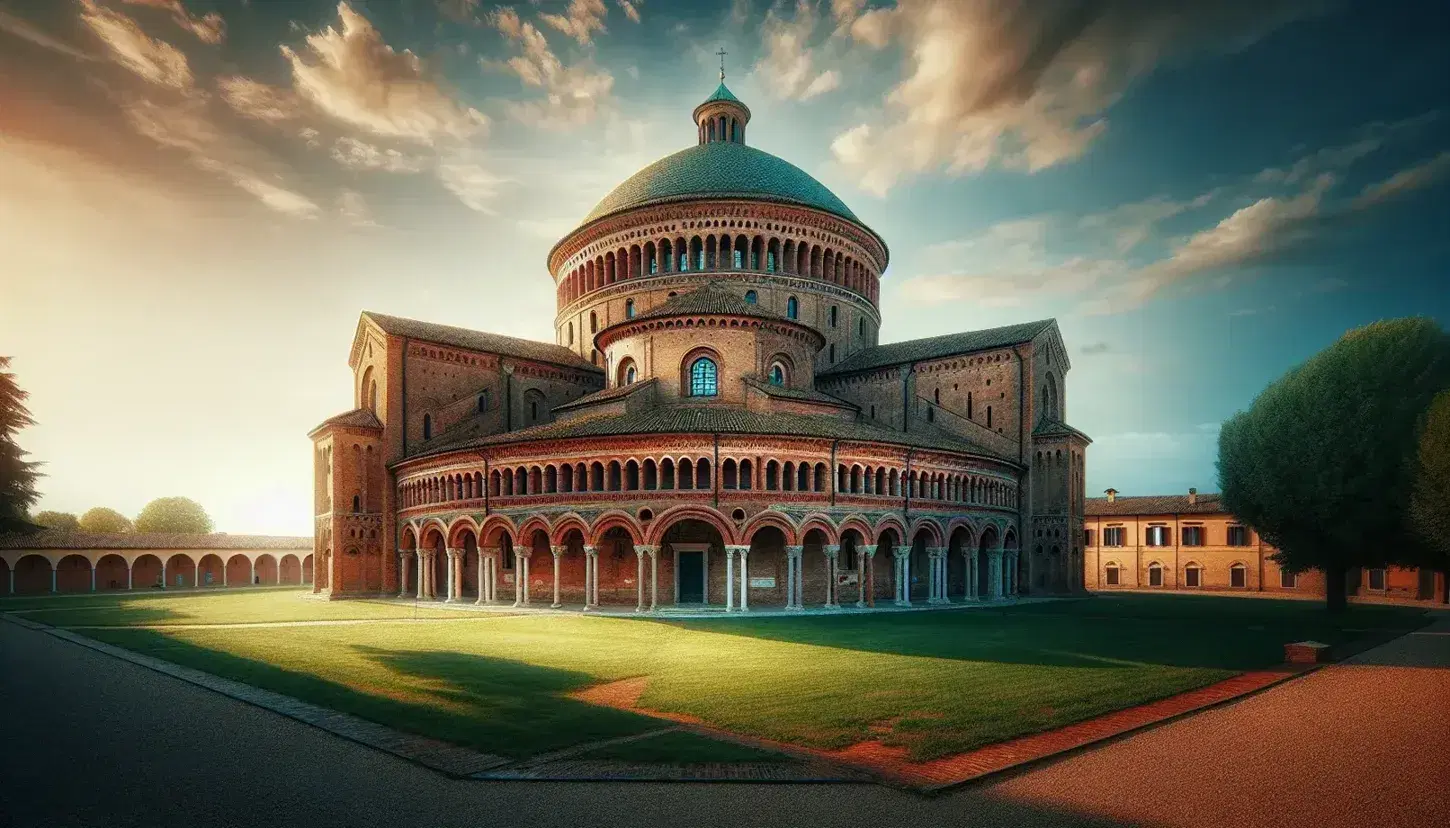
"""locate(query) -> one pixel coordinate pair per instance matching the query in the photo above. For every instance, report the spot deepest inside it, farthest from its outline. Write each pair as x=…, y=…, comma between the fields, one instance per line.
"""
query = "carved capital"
x=831, y=550
x=732, y=549
x=794, y=551
x=558, y=551
x=591, y=551
x=649, y=549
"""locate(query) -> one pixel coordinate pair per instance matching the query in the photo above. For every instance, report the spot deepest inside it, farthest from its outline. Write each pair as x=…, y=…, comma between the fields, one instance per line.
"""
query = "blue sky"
x=200, y=197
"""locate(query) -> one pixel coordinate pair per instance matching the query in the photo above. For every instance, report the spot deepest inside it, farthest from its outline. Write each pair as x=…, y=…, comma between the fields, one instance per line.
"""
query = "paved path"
x=93, y=741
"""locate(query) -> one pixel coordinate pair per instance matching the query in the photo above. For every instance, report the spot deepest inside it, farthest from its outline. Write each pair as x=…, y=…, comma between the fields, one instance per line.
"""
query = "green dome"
x=720, y=169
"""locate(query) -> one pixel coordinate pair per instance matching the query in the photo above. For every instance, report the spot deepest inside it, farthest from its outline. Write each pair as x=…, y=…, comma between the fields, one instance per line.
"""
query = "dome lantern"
x=721, y=118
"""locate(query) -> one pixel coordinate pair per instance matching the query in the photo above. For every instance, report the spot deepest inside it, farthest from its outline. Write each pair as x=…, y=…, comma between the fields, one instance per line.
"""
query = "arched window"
x=861, y=326
x=930, y=414
x=1288, y=580
x=1155, y=574
x=831, y=355
x=427, y=426
x=356, y=503
x=629, y=309
x=593, y=322
x=936, y=396
x=571, y=333
x=703, y=378
x=1111, y=570
x=483, y=402
x=737, y=258
x=629, y=376
x=833, y=316
x=792, y=308
x=1238, y=575
x=989, y=416
x=777, y=374
x=1193, y=575
x=627, y=372
x=969, y=405
x=750, y=297
x=533, y=411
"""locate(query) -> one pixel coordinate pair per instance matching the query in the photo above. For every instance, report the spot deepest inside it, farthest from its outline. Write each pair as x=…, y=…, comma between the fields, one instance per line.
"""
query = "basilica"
x=714, y=424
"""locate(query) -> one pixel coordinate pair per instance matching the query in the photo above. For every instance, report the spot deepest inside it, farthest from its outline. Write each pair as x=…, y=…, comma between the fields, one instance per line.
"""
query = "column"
x=523, y=585
x=422, y=573
x=128, y=578
x=795, y=580
x=448, y=574
x=994, y=573
x=558, y=556
x=639, y=580
x=93, y=578
x=52, y=578
x=653, y=552
x=482, y=577
x=831, y=551
x=729, y=578
x=591, y=577
x=903, y=577
x=224, y=572
x=1012, y=584
x=939, y=575
x=402, y=573
x=971, y=557
x=863, y=571
x=744, y=579
x=251, y=578
x=163, y=574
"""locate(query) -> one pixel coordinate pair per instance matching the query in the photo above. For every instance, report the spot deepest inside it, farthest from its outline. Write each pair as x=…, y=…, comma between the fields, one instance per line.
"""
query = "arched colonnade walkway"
x=692, y=557
x=41, y=571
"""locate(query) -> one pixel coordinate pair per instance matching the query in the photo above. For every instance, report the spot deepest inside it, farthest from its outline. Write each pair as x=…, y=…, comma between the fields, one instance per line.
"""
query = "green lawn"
x=232, y=607
x=936, y=683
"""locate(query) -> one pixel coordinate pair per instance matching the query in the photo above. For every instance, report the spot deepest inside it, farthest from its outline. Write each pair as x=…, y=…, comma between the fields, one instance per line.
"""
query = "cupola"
x=721, y=118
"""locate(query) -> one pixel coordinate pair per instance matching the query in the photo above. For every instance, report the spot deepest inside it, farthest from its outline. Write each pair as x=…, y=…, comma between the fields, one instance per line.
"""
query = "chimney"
x=1112, y=494
x=1192, y=497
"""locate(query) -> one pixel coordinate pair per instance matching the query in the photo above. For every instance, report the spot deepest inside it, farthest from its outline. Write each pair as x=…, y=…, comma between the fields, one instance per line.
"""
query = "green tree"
x=1430, y=503
x=105, y=521
x=174, y=515
x=1321, y=465
x=64, y=521
x=17, y=475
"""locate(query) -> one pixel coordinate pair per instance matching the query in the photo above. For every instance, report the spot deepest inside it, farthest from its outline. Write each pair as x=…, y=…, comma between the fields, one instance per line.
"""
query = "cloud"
x=187, y=126
x=580, y=21
x=154, y=60
x=21, y=29
x=360, y=155
x=1095, y=348
x=356, y=78
x=631, y=8
x=1023, y=85
x=1368, y=139
x=209, y=28
x=259, y=101
x=460, y=11
x=1407, y=180
x=788, y=66
x=474, y=185
x=574, y=95
x=354, y=209
x=1130, y=225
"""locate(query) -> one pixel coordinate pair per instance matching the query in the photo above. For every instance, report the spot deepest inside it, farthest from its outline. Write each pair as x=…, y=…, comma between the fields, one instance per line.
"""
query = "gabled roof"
x=936, y=347
x=489, y=343
x=1049, y=427
x=57, y=539
x=716, y=419
x=356, y=418
x=1152, y=505
x=618, y=392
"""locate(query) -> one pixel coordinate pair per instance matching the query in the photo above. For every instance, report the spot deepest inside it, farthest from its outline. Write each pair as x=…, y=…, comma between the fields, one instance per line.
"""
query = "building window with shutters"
x=1113, y=536
x=1112, y=574
x=1087, y=537
x=1159, y=536
x=1238, y=576
x=1238, y=536
x=1193, y=575
x=1193, y=536
x=1155, y=574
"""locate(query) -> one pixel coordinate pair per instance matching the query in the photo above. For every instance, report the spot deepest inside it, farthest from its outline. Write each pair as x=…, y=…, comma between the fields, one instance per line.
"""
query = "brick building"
x=55, y=561
x=1190, y=542
x=714, y=422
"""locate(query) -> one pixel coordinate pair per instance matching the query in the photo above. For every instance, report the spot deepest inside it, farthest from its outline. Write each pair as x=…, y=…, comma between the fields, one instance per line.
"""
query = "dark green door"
x=691, y=578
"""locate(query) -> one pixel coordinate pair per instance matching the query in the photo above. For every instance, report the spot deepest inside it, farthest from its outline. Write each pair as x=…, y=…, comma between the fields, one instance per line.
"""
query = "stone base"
x=1306, y=652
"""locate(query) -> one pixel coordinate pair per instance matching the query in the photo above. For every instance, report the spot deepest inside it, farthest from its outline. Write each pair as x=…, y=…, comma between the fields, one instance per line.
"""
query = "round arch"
x=210, y=570
x=32, y=574
x=616, y=519
x=933, y=530
x=73, y=574
x=534, y=525
x=495, y=529
x=266, y=569
x=289, y=569
x=460, y=530
x=307, y=569
x=112, y=572
x=239, y=570
x=146, y=571
x=676, y=514
x=816, y=520
x=771, y=519
x=180, y=571
x=890, y=523
x=859, y=525
x=564, y=524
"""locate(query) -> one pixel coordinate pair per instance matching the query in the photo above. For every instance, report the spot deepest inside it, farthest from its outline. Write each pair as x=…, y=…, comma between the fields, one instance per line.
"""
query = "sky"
x=198, y=198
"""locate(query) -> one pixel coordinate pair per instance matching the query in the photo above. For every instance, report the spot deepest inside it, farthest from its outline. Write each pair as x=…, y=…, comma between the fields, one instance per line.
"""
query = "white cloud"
x=354, y=209
x=360, y=155
x=573, y=95
x=257, y=100
x=209, y=28
x=353, y=76
x=1407, y=180
x=788, y=67
x=1021, y=84
x=22, y=29
x=154, y=60
x=631, y=9
x=474, y=185
x=580, y=21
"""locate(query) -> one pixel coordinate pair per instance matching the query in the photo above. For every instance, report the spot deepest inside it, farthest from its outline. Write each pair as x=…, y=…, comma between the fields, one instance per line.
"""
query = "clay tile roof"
x=716, y=419
x=936, y=347
x=1152, y=505
x=356, y=418
x=56, y=539
x=808, y=394
x=618, y=392
x=1049, y=427
x=481, y=341
x=709, y=299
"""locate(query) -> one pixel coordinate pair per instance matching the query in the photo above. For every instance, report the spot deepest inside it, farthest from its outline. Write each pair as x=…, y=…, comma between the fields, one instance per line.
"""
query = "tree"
x=105, y=521
x=17, y=475
x=1321, y=465
x=174, y=515
x=1430, y=503
x=63, y=521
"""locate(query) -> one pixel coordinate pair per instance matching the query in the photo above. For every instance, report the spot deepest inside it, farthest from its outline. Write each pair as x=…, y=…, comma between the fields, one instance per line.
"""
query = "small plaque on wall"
x=762, y=583
x=508, y=577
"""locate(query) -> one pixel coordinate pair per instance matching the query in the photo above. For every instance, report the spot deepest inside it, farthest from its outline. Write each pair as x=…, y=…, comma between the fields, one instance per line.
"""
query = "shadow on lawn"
x=1099, y=632
x=493, y=705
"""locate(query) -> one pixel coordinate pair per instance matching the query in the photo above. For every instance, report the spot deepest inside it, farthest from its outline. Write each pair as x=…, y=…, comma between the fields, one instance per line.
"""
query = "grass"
x=249, y=606
x=935, y=683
